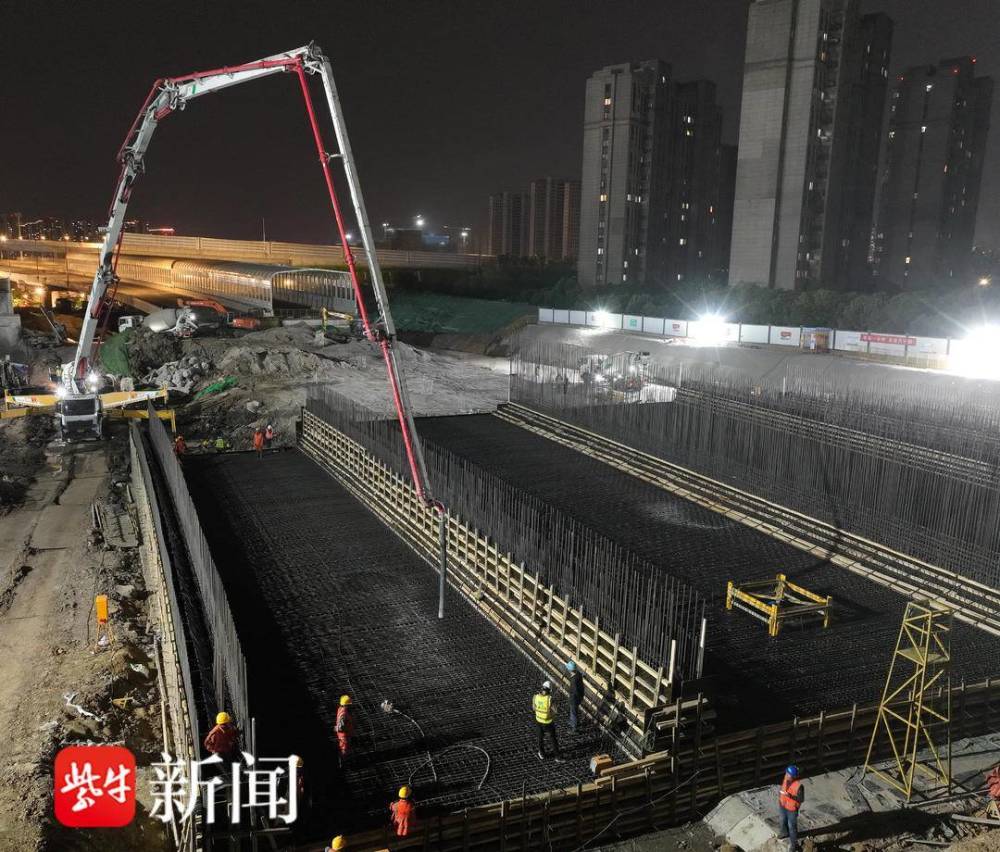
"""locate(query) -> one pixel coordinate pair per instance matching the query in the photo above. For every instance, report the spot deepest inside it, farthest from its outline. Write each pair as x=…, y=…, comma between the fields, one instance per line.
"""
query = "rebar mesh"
x=918, y=475
x=648, y=607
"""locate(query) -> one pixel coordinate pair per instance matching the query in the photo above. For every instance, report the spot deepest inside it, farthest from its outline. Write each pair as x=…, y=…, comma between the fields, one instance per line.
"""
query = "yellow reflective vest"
x=543, y=709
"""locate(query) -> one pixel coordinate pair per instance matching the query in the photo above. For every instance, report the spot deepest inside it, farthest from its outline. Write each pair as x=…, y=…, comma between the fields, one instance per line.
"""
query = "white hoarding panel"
x=545, y=315
x=930, y=346
x=849, y=341
x=652, y=325
x=578, y=317
x=675, y=328
x=592, y=319
x=631, y=323
x=785, y=335
x=606, y=320
x=753, y=333
x=713, y=332
x=560, y=316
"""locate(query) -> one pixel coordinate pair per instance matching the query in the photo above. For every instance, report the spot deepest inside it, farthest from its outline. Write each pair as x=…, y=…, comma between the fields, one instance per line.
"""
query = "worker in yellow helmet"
x=545, y=719
x=224, y=738
x=402, y=812
x=344, y=726
x=336, y=844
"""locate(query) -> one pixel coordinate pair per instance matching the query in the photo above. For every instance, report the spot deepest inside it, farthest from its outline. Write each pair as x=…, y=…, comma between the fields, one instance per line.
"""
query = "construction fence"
x=658, y=614
x=917, y=475
x=229, y=669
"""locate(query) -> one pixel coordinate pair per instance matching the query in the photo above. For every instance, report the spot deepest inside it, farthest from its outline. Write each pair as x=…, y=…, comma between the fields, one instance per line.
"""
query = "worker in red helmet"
x=790, y=798
x=344, y=726
x=258, y=442
x=403, y=812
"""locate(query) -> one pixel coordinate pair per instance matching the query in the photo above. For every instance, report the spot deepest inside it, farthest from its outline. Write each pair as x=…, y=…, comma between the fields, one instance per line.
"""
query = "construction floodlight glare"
x=710, y=329
x=978, y=354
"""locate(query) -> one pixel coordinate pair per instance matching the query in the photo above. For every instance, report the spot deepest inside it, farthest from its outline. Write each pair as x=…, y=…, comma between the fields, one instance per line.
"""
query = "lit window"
x=679, y=276
x=607, y=101
x=923, y=128
x=682, y=241
x=600, y=250
x=689, y=133
x=711, y=208
x=604, y=197
x=907, y=261
x=929, y=86
x=626, y=264
x=946, y=168
x=892, y=134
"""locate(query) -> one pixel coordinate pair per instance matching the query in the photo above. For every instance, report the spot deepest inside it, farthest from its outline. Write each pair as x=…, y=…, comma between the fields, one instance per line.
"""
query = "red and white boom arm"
x=170, y=95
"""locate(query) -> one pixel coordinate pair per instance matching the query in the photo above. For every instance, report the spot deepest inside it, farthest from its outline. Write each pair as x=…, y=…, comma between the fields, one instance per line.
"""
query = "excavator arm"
x=169, y=95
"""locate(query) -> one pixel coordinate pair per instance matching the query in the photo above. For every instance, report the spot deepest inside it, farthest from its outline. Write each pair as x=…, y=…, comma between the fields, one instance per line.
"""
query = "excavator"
x=79, y=401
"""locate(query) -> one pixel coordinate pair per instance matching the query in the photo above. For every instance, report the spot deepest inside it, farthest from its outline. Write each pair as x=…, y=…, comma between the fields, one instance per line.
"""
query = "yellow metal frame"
x=773, y=601
x=916, y=703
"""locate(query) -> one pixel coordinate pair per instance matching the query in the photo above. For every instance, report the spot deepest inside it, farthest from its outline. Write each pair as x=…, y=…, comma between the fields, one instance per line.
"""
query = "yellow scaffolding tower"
x=915, y=710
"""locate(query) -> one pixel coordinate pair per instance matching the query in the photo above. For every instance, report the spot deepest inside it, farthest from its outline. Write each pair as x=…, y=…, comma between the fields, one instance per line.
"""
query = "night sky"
x=446, y=101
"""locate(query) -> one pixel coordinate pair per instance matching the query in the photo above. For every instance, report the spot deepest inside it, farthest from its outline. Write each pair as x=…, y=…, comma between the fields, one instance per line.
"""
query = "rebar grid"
x=648, y=607
x=331, y=602
x=919, y=475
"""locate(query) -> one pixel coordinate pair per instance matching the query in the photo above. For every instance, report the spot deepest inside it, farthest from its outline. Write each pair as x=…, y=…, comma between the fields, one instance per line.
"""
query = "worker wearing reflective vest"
x=790, y=798
x=402, y=811
x=545, y=719
x=344, y=726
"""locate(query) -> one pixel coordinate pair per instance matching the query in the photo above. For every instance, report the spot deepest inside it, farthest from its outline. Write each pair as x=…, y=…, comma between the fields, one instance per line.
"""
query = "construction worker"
x=336, y=844
x=575, y=695
x=402, y=811
x=220, y=444
x=790, y=798
x=258, y=442
x=545, y=718
x=179, y=446
x=344, y=726
x=224, y=738
x=268, y=436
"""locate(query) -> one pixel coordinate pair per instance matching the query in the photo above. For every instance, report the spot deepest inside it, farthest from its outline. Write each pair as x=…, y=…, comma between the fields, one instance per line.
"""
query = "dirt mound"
x=256, y=361
x=148, y=350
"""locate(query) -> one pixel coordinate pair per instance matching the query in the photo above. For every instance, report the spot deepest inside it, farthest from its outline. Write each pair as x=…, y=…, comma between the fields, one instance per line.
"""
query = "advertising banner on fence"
x=888, y=344
x=675, y=328
x=849, y=341
x=929, y=346
x=631, y=323
x=784, y=335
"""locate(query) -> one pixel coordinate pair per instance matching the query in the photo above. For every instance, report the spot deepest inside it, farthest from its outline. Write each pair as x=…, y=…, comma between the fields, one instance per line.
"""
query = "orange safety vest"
x=788, y=797
x=402, y=812
x=258, y=440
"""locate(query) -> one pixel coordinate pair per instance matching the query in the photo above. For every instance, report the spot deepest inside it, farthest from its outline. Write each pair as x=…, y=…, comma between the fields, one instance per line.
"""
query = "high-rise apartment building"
x=814, y=80
x=553, y=203
x=938, y=124
x=627, y=117
x=697, y=173
x=509, y=220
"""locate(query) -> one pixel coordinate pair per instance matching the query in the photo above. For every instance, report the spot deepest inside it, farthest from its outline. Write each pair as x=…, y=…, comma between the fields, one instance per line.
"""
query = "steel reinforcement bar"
x=973, y=602
x=670, y=787
x=229, y=664
x=622, y=687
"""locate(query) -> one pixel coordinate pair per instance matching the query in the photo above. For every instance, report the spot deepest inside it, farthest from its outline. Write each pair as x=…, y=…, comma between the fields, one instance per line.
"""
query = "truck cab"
x=80, y=416
x=130, y=321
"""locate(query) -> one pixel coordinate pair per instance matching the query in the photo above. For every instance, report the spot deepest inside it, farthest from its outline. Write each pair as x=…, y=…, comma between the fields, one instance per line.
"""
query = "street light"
x=419, y=220
x=984, y=281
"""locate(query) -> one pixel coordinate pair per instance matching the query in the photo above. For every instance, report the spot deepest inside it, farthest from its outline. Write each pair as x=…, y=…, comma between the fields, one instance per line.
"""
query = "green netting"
x=216, y=387
x=114, y=354
x=440, y=314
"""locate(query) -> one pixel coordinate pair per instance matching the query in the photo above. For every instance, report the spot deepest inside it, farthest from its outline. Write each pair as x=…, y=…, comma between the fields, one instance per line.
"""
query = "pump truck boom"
x=172, y=94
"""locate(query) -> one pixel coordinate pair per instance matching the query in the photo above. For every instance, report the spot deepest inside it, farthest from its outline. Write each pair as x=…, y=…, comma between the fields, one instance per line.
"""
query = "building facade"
x=815, y=74
x=627, y=116
x=508, y=224
x=938, y=125
x=698, y=173
x=554, y=216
